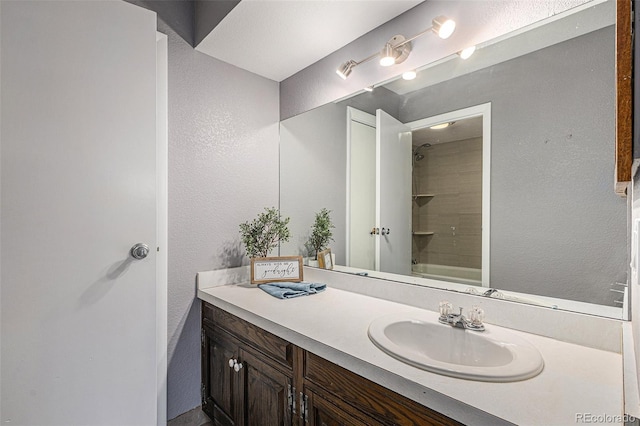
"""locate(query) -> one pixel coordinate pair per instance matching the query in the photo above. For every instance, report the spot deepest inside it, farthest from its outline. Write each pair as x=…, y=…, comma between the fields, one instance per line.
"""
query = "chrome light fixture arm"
x=398, y=48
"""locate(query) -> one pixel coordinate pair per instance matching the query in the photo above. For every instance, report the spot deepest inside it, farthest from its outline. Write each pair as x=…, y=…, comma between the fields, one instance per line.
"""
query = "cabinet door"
x=321, y=412
x=219, y=380
x=265, y=392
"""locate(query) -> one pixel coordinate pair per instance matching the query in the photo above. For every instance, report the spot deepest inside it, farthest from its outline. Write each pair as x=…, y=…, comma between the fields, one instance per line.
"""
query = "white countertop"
x=333, y=324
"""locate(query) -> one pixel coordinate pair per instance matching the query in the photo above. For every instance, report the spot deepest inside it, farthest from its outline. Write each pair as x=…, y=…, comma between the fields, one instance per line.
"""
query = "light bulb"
x=442, y=125
x=467, y=52
x=409, y=75
x=443, y=26
x=387, y=56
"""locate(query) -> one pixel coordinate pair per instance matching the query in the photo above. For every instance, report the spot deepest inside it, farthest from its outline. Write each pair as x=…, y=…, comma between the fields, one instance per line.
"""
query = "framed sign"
x=270, y=269
x=325, y=260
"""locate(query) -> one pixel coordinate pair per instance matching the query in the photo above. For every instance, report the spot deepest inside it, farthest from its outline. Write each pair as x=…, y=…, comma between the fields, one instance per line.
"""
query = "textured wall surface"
x=223, y=169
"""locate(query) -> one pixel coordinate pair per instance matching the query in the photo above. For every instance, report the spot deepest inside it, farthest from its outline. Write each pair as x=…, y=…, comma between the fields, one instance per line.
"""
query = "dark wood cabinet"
x=265, y=392
x=247, y=373
x=251, y=377
x=323, y=411
x=220, y=380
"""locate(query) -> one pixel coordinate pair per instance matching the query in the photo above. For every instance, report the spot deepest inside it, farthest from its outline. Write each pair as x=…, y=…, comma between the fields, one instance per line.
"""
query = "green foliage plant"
x=263, y=234
x=321, y=232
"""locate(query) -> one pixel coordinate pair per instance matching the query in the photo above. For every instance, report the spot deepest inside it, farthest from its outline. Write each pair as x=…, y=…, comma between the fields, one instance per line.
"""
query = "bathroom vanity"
x=309, y=361
x=250, y=376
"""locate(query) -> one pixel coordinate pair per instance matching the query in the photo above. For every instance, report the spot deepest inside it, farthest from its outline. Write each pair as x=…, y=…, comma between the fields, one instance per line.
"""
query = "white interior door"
x=393, y=210
x=78, y=188
x=361, y=190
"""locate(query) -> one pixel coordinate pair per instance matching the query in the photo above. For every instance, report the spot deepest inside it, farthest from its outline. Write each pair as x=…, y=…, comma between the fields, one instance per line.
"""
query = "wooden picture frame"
x=272, y=269
x=325, y=260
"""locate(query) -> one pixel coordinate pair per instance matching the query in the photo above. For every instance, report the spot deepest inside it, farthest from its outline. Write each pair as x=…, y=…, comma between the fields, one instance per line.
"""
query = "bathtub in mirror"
x=537, y=216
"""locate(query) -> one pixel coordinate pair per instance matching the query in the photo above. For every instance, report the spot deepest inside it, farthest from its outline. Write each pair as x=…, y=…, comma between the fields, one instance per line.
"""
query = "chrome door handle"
x=139, y=251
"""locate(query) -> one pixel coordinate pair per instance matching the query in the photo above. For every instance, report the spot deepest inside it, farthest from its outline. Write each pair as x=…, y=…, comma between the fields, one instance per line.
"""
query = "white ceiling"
x=277, y=38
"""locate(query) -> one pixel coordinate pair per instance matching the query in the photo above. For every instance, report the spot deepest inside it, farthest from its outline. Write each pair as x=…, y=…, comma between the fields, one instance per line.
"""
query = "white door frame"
x=162, y=166
x=483, y=110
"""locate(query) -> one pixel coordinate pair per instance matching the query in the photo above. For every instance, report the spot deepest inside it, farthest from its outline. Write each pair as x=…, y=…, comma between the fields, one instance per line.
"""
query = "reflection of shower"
x=417, y=156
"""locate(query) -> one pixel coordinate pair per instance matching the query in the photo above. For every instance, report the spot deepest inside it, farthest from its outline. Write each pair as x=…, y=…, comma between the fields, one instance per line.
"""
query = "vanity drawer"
x=278, y=349
x=369, y=397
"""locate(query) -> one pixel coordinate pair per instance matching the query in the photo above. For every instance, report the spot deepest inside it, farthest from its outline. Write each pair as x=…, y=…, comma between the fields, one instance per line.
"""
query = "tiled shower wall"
x=452, y=173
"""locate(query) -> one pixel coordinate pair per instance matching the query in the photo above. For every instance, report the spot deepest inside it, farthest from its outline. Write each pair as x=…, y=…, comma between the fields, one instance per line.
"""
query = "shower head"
x=417, y=156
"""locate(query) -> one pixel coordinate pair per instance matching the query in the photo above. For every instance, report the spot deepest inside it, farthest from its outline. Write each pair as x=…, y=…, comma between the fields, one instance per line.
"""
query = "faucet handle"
x=445, y=308
x=476, y=316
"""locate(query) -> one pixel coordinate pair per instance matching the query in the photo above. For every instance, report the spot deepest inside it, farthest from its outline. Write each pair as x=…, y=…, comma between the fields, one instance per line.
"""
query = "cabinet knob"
x=232, y=362
x=237, y=366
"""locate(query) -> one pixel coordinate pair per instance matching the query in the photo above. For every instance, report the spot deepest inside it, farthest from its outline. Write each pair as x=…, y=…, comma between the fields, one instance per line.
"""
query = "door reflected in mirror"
x=424, y=180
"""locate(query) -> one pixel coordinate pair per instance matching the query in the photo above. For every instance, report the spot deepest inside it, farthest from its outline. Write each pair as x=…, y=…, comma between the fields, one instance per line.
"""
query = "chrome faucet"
x=474, y=323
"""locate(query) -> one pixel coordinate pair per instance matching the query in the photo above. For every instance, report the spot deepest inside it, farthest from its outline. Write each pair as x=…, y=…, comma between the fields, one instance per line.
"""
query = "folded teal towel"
x=287, y=290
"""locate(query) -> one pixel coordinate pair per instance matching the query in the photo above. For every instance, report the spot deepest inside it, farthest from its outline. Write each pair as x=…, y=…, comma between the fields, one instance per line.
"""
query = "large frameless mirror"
x=493, y=172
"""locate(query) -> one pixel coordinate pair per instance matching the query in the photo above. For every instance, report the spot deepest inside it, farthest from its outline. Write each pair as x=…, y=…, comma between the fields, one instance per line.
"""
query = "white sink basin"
x=494, y=355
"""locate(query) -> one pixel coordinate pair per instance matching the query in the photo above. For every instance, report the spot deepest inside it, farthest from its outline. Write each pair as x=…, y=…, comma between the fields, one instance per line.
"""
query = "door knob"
x=139, y=251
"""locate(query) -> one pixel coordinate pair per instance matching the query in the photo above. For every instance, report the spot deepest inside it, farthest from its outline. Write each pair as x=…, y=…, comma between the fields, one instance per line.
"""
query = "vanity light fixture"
x=345, y=69
x=398, y=48
x=442, y=125
x=467, y=52
x=409, y=75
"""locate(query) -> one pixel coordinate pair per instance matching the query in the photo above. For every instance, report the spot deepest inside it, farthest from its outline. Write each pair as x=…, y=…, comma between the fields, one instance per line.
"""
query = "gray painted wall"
x=223, y=169
x=557, y=228
x=477, y=22
x=634, y=285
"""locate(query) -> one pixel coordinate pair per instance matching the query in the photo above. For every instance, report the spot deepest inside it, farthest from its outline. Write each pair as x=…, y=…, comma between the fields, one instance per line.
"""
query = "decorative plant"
x=321, y=231
x=264, y=233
